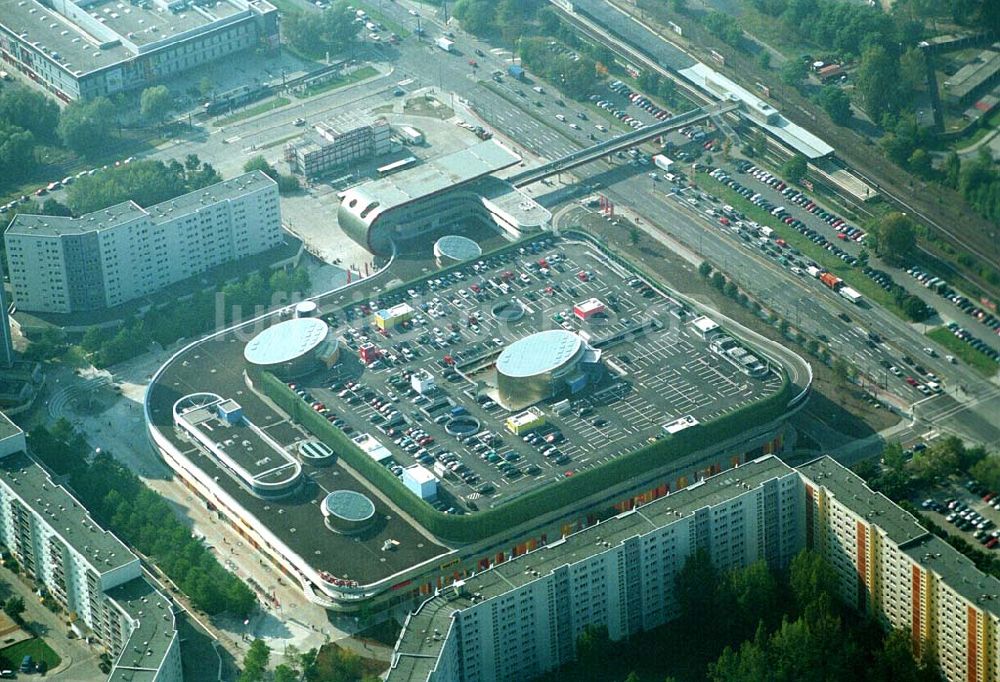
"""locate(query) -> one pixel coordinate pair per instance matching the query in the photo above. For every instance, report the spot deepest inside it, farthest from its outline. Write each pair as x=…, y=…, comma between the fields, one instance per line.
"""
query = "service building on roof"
x=123, y=252
x=80, y=49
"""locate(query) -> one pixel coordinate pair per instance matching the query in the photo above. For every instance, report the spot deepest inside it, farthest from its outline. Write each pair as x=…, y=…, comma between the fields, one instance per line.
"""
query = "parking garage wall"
x=481, y=525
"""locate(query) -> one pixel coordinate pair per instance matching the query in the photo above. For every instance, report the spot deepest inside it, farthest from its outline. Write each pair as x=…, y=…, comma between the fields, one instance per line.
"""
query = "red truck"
x=831, y=281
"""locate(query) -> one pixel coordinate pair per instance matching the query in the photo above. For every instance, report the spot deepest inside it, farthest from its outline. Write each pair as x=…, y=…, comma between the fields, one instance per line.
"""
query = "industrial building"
x=79, y=49
x=451, y=190
x=124, y=252
x=619, y=574
x=88, y=570
x=325, y=148
x=293, y=348
x=974, y=78
x=544, y=365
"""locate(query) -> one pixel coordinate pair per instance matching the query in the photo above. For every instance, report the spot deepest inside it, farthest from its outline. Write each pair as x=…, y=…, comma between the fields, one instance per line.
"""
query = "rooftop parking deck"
x=657, y=368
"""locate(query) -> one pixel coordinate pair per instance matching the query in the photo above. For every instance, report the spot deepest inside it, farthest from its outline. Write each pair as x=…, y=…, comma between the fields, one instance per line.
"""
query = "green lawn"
x=343, y=81
x=852, y=276
x=261, y=108
x=966, y=353
x=36, y=648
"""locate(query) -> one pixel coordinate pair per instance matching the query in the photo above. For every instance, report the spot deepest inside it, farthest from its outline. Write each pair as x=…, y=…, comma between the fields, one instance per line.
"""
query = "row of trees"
x=754, y=624
x=330, y=663
x=576, y=75
x=120, y=502
x=145, y=182
x=203, y=311
x=899, y=477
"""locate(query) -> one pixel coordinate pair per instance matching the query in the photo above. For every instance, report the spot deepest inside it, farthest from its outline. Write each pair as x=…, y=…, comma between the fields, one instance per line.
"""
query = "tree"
x=920, y=163
x=206, y=86
x=705, y=269
x=633, y=234
x=260, y=163
x=53, y=207
x=894, y=237
x=764, y=59
x=912, y=70
x=255, y=661
x=29, y=109
x=477, y=16
x=987, y=471
x=892, y=456
x=592, y=646
x=83, y=125
x=810, y=577
x=17, y=152
x=730, y=290
x=155, y=103
x=14, y=607
x=333, y=31
x=836, y=103
x=877, y=83
x=794, y=71
x=718, y=280
x=795, y=168
x=284, y=673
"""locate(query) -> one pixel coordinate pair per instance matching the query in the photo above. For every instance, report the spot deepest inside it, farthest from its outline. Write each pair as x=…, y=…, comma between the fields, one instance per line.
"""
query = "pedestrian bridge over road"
x=621, y=142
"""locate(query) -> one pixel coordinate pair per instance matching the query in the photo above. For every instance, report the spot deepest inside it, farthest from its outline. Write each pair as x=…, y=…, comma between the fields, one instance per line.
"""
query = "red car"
x=991, y=543
x=911, y=381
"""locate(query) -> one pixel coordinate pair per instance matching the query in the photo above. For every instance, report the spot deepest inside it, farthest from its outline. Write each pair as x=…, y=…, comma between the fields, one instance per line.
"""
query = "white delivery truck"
x=850, y=294
x=445, y=44
x=663, y=163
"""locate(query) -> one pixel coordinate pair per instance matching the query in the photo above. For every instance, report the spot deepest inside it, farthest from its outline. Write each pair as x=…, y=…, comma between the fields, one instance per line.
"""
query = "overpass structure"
x=624, y=141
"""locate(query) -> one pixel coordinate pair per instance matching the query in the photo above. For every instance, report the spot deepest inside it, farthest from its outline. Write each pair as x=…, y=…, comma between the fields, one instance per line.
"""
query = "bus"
x=391, y=168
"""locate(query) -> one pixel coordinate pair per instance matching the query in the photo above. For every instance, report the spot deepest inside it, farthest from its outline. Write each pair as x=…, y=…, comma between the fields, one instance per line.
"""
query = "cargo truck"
x=445, y=44
x=663, y=163
x=850, y=294
x=814, y=271
x=831, y=281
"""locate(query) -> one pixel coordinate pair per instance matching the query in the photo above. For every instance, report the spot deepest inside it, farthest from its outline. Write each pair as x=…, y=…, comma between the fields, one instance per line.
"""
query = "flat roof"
x=958, y=571
x=420, y=645
x=261, y=461
x=128, y=29
x=437, y=175
x=215, y=365
x=7, y=427
x=852, y=492
x=419, y=474
x=154, y=630
x=513, y=203
x=80, y=52
x=705, y=324
x=70, y=519
x=793, y=135
x=286, y=341
x=538, y=353
x=127, y=211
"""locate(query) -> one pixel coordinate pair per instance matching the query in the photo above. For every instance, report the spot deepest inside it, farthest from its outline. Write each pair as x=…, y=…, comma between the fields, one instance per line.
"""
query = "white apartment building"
x=112, y=256
x=893, y=568
x=521, y=618
x=89, y=571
